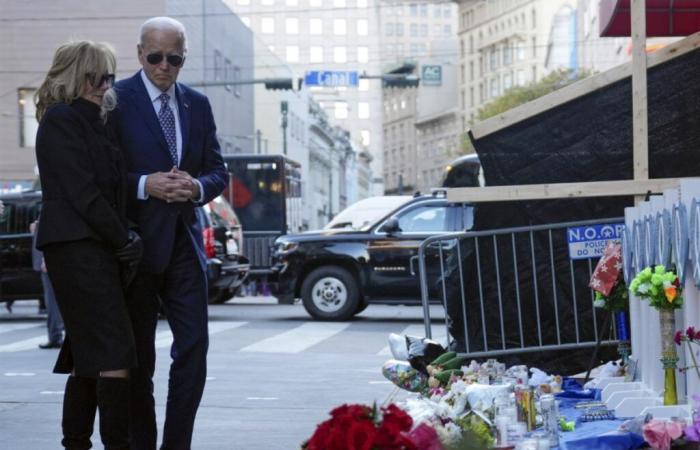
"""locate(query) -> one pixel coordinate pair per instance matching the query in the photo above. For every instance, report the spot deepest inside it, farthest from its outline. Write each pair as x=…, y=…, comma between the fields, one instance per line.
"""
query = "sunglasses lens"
x=154, y=58
x=175, y=60
x=107, y=78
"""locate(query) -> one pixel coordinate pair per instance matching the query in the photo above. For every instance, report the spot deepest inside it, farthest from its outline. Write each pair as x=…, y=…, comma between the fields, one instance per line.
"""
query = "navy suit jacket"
x=146, y=151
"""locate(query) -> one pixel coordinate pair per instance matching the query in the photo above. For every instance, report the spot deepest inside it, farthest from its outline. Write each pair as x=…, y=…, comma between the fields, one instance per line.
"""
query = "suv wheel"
x=330, y=293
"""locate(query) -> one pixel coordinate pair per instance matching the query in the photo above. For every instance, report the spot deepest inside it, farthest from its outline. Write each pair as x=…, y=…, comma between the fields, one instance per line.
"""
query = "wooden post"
x=640, y=133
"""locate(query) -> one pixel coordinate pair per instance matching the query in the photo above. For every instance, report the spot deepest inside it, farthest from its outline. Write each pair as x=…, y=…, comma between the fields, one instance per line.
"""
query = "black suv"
x=338, y=272
x=18, y=280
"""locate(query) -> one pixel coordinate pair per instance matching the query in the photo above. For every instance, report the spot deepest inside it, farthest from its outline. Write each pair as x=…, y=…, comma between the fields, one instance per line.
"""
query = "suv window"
x=427, y=218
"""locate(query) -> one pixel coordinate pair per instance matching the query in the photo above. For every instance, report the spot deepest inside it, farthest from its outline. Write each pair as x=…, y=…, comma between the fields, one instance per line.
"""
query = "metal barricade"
x=511, y=291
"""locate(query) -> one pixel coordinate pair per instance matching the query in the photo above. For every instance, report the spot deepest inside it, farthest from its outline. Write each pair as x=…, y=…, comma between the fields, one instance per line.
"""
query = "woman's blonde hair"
x=74, y=63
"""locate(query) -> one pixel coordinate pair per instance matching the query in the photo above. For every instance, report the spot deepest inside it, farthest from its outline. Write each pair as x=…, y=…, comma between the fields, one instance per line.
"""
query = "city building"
x=328, y=35
x=506, y=43
x=219, y=47
x=410, y=30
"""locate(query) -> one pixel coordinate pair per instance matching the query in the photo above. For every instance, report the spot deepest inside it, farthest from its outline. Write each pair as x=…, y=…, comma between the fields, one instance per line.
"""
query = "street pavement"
x=273, y=373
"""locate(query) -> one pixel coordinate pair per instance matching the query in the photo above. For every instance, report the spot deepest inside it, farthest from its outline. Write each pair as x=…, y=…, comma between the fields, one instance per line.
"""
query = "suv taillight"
x=209, y=248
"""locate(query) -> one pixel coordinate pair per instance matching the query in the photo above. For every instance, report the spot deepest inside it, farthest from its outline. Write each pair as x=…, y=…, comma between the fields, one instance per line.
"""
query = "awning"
x=664, y=18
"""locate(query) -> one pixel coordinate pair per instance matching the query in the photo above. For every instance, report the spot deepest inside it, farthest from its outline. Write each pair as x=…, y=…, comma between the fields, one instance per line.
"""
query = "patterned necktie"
x=167, y=123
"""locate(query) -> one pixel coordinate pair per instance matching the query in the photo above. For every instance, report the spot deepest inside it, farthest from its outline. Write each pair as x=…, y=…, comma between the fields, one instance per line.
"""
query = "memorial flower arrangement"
x=692, y=337
x=361, y=427
x=659, y=286
x=617, y=300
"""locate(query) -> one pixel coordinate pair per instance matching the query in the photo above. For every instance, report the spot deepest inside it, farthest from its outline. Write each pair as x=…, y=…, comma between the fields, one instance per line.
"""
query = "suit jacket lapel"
x=183, y=107
x=145, y=106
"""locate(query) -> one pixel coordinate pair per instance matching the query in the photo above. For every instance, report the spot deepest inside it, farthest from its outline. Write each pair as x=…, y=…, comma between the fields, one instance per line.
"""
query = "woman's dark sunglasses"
x=106, y=78
x=156, y=58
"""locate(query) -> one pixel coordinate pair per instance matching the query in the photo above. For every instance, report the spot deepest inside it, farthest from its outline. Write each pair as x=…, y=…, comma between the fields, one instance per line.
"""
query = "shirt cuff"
x=141, y=192
x=201, y=192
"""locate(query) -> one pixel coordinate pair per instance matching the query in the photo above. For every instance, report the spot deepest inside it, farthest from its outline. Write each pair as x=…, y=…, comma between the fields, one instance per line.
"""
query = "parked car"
x=365, y=212
x=338, y=272
x=227, y=268
x=18, y=280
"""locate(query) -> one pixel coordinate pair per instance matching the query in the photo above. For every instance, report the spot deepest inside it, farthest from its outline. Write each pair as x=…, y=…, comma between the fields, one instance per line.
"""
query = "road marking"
x=165, y=338
x=297, y=339
x=25, y=344
x=380, y=382
x=51, y=392
x=7, y=327
x=439, y=335
x=262, y=398
x=19, y=374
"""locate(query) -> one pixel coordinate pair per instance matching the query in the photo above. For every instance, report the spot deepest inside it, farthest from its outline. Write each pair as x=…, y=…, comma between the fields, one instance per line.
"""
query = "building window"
x=493, y=59
x=520, y=81
x=403, y=103
x=414, y=10
x=534, y=47
x=507, y=81
x=414, y=49
x=341, y=110
x=534, y=19
x=413, y=30
x=339, y=3
x=471, y=70
x=447, y=30
x=363, y=110
x=218, y=65
x=362, y=27
x=437, y=30
x=447, y=11
x=437, y=11
x=228, y=73
x=237, y=77
x=267, y=2
x=363, y=84
x=27, y=117
x=520, y=51
x=362, y=54
x=267, y=25
x=424, y=29
x=399, y=29
x=315, y=26
x=292, y=2
x=291, y=25
x=292, y=53
x=315, y=2
x=361, y=3
x=507, y=54
x=389, y=29
x=340, y=55
x=339, y=27
x=316, y=54
x=471, y=96
x=424, y=10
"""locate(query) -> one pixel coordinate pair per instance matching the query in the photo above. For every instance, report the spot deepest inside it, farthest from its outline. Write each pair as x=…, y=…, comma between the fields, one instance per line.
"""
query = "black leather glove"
x=133, y=250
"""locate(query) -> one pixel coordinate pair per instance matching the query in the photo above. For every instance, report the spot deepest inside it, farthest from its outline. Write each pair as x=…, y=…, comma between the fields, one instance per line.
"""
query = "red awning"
x=664, y=18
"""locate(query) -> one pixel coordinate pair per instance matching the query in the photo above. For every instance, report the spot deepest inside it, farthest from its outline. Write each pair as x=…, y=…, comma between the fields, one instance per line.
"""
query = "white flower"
x=599, y=303
x=643, y=288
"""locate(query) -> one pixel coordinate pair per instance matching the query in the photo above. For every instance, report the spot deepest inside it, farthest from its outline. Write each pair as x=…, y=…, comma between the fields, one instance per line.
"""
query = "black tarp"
x=586, y=139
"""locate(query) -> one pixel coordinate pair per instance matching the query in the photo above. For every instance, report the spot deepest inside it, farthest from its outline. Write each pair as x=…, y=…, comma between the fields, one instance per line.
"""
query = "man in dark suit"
x=168, y=136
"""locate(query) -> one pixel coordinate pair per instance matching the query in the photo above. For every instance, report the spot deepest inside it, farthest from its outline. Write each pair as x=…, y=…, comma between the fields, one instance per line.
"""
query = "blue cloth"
x=599, y=435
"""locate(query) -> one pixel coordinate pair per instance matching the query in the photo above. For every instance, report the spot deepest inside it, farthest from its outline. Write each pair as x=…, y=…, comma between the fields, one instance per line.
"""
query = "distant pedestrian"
x=85, y=240
x=54, y=321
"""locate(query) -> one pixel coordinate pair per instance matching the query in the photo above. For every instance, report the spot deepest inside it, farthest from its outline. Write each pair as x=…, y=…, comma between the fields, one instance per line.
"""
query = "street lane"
x=273, y=373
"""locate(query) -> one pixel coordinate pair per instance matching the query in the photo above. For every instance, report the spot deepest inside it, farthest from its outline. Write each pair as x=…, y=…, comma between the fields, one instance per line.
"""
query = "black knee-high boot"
x=113, y=402
x=79, y=405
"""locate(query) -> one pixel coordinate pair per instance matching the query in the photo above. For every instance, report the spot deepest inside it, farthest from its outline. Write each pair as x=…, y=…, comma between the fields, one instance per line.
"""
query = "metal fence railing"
x=511, y=291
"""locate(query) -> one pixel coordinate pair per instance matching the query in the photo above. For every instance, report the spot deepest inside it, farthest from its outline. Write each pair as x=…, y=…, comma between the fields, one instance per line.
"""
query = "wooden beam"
x=640, y=123
x=580, y=88
x=560, y=190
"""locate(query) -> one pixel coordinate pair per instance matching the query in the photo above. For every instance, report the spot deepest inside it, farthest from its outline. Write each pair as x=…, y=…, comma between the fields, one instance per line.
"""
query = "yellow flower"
x=670, y=293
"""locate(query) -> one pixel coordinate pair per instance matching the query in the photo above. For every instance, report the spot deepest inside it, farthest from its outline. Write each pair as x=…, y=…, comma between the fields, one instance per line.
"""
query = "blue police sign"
x=590, y=241
x=329, y=78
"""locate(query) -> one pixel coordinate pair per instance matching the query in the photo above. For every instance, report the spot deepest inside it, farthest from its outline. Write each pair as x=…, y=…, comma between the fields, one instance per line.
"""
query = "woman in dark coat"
x=86, y=243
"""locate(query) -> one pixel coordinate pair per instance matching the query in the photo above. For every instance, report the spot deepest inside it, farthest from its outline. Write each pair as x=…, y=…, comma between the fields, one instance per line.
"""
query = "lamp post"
x=284, y=108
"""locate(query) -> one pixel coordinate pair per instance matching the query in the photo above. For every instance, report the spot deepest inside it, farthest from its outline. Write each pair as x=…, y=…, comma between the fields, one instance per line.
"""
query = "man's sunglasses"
x=105, y=78
x=173, y=60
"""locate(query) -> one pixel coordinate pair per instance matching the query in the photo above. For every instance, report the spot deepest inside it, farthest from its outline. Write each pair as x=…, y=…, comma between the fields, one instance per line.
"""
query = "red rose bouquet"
x=360, y=427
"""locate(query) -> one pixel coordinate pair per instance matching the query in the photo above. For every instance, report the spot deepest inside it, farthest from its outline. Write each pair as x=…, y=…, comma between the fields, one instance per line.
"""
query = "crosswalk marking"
x=439, y=335
x=297, y=339
x=7, y=327
x=165, y=338
x=25, y=344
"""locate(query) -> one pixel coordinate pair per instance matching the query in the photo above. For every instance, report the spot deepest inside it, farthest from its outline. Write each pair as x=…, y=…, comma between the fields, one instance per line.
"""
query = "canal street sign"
x=330, y=78
x=590, y=241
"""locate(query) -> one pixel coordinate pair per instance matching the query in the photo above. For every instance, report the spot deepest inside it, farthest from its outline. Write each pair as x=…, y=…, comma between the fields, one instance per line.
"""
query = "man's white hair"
x=164, y=24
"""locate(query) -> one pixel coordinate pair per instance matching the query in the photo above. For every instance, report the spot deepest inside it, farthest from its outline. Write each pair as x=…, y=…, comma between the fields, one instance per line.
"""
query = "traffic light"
x=283, y=84
x=400, y=81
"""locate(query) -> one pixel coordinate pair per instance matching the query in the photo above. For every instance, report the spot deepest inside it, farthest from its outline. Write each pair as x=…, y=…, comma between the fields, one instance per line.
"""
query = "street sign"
x=431, y=75
x=330, y=78
x=590, y=241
